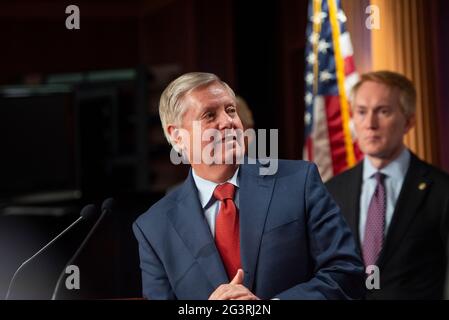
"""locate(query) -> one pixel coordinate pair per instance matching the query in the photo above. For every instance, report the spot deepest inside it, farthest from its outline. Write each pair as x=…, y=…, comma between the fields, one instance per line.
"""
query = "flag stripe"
x=346, y=45
x=339, y=63
x=322, y=152
x=349, y=66
x=336, y=136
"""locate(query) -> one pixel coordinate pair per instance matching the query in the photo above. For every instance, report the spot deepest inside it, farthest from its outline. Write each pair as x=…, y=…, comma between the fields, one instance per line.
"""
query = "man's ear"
x=410, y=123
x=174, y=133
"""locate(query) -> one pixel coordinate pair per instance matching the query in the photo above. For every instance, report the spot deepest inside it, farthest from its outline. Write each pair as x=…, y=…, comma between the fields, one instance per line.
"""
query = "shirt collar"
x=396, y=169
x=206, y=188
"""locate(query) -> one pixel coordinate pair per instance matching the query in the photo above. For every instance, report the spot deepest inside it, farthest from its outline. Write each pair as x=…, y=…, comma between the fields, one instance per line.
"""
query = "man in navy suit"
x=234, y=230
x=396, y=204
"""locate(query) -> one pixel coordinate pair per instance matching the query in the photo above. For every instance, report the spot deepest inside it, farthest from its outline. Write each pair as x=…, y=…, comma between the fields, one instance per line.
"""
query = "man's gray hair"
x=171, y=107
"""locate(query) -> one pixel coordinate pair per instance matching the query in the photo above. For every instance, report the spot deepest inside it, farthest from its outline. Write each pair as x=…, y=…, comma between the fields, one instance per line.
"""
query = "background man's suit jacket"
x=412, y=262
x=294, y=241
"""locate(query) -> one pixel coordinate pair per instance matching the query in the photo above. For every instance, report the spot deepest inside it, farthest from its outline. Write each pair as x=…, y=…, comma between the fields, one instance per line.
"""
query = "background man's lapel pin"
x=422, y=186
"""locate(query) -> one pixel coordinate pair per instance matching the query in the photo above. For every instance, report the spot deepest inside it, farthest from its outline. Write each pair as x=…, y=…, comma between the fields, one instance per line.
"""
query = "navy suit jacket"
x=413, y=258
x=295, y=244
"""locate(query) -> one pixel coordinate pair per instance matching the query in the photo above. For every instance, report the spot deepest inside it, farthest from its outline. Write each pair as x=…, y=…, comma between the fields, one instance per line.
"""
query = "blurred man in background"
x=396, y=205
x=246, y=115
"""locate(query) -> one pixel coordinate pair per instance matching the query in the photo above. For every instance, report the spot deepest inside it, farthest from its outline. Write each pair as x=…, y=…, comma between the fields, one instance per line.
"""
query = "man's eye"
x=208, y=115
x=231, y=110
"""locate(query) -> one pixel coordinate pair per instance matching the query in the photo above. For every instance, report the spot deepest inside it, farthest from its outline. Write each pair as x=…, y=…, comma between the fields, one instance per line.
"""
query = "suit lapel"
x=255, y=195
x=410, y=198
x=191, y=225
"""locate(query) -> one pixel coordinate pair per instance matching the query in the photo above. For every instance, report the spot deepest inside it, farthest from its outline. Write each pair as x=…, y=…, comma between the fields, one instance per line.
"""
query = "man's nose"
x=371, y=120
x=225, y=121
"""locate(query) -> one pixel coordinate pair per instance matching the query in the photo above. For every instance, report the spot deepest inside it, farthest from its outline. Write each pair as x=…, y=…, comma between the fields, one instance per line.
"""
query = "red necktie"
x=227, y=237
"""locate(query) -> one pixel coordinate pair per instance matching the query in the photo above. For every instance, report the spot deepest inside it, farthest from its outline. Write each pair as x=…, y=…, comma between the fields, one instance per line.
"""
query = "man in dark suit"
x=396, y=205
x=237, y=230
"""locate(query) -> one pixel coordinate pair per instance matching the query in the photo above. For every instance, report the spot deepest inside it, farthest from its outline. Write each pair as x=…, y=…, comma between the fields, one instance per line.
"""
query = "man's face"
x=380, y=124
x=213, y=109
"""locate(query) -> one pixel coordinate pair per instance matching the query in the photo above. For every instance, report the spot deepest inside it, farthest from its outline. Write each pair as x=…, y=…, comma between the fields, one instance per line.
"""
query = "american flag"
x=329, y=76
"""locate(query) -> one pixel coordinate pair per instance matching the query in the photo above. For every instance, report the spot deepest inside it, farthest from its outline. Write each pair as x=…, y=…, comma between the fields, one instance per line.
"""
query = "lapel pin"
x=422, y=186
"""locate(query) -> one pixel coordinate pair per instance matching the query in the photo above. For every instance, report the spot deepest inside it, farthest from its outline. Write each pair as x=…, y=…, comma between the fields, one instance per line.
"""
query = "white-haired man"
x=230, y=232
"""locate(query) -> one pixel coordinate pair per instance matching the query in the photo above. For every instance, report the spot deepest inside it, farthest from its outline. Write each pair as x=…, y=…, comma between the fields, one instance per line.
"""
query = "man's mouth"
x=229, y=138
x=372, y=139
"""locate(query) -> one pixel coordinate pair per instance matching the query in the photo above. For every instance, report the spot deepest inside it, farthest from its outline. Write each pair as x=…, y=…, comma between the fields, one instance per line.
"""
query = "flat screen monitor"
x=37, y=143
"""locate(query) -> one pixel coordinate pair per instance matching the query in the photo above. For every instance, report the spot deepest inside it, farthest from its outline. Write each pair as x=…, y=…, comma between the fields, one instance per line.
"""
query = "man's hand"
x=235, y=290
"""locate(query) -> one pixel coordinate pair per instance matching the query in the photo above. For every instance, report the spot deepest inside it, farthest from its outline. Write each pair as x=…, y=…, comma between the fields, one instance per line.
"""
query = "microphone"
x=87, y=212
x=106, y=207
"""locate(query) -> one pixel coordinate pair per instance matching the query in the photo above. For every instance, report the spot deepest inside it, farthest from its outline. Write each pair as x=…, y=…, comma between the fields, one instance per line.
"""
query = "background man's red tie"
x=227, y=238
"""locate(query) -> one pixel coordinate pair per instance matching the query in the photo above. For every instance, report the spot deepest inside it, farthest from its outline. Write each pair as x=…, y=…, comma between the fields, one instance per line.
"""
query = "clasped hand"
x=234, y=290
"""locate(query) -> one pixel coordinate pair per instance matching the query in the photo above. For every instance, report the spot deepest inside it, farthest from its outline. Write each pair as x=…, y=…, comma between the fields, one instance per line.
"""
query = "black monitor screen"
x=37, y=144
